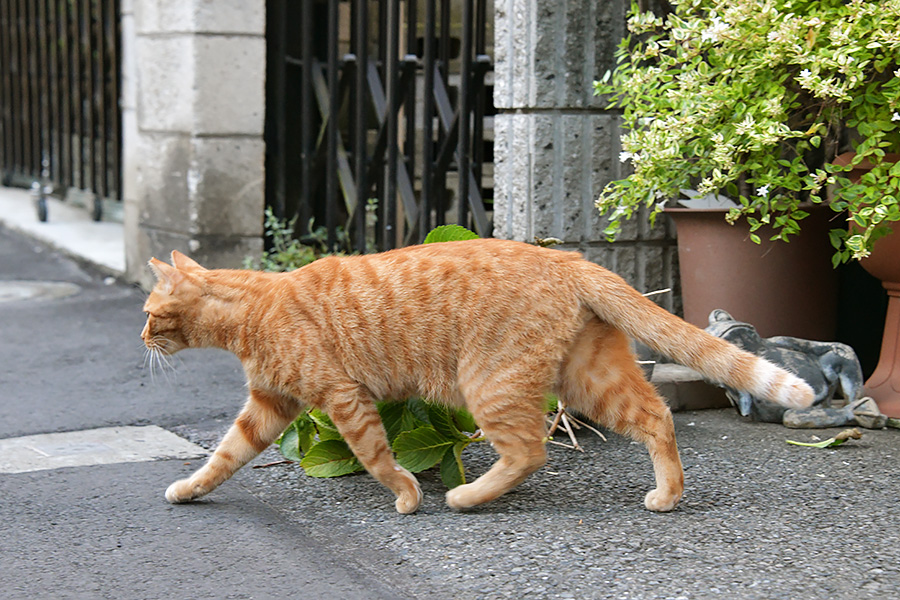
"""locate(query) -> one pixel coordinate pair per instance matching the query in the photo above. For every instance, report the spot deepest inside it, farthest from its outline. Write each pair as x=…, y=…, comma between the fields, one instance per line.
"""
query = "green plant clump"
x=755, y=99
x=422, y=435
x=287, y=252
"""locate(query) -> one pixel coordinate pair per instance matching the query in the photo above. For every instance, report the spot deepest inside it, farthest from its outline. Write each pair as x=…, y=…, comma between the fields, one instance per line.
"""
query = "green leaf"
x=324, y=425
x=420, y=448
x=418, y=410
x=306, y=432
x=330, y=458
x=464, y=420
x=452, y=471
x=552, y=403
x=298, y=438
x=290, y=445
x=449, y=233
x=443, y=422
x=822, y=444
x=391, y=414
x=847, y=434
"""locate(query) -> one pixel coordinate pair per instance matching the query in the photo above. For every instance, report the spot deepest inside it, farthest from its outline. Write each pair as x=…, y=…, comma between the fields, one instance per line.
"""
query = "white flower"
x=805, y=73
x=714, y=32
x=763, y=191
x=625, y=156
x=895, y=116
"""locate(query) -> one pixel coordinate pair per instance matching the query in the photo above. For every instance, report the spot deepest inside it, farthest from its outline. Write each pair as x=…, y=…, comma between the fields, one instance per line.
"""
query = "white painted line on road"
x=104, y=446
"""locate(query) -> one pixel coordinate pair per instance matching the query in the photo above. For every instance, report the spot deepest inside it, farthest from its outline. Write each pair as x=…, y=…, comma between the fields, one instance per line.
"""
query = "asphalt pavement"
x=760, y=518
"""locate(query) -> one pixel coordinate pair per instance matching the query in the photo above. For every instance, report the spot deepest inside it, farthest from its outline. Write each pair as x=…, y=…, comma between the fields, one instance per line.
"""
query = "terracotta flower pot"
x=884, y=384
x=884, y=263
x=780, y=288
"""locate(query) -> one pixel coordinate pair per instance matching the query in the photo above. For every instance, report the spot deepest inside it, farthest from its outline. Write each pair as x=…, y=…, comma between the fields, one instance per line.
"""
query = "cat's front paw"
x=660, y=501
x=183, y=491
x=408, y=502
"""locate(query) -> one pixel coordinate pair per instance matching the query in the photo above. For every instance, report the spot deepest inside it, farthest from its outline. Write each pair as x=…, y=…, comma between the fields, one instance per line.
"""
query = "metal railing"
x=376, y=111
x=60, y=119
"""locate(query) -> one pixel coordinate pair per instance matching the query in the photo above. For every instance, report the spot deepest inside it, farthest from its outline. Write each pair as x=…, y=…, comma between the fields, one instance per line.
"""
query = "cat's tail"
x=614, y=301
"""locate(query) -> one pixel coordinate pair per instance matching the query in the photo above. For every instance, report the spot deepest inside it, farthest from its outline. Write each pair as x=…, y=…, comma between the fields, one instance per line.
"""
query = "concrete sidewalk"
x=68, y=229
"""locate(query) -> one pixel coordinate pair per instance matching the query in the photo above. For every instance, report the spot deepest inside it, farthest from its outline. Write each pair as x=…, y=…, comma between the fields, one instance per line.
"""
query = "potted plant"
x=754, y=100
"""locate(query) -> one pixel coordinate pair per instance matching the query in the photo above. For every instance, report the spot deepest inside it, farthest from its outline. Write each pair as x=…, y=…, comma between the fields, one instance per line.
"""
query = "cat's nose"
x=145, y=331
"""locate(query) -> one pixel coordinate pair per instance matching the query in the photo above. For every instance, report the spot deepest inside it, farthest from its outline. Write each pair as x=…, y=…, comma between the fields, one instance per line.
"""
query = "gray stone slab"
x=101, y=446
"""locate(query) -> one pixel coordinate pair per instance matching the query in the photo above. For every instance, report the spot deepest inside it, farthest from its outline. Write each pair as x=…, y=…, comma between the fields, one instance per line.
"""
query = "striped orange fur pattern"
x=487, y=324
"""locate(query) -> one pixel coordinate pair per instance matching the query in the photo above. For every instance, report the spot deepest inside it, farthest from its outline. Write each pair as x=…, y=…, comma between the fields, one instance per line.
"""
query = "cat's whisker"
x=157, y=359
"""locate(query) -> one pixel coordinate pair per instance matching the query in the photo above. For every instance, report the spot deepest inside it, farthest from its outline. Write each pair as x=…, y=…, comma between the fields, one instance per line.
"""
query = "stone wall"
x=194, y=103
x=555, y=146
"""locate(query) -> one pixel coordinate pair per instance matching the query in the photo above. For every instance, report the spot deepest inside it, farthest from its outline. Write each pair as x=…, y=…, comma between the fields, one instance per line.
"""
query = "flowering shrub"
x=754, y=99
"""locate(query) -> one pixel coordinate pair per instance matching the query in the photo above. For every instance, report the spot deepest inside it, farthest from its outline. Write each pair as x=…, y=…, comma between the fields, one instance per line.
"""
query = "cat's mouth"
x=161, y=345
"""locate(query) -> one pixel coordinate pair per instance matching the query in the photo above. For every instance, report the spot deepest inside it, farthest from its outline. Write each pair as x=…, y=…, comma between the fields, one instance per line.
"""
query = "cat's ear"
x=166, y=274
x=184, y=263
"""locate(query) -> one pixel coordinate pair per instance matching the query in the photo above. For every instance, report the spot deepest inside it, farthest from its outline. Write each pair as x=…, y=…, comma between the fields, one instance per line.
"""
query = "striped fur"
x=487, y=324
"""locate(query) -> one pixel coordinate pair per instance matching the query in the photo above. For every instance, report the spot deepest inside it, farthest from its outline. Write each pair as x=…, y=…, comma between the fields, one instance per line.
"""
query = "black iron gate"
x=60, y=119
x=376, y=112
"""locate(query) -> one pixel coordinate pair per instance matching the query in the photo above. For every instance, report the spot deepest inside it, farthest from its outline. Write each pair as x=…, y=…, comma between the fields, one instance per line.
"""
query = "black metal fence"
x=376, y=112
x=60, y=119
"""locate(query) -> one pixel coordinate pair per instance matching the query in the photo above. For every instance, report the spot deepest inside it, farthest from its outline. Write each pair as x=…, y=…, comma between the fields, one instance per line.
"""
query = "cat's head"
x=173, y=304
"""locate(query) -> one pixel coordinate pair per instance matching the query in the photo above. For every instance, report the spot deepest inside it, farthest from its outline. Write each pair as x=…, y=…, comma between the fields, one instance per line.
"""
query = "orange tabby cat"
x=488, y=324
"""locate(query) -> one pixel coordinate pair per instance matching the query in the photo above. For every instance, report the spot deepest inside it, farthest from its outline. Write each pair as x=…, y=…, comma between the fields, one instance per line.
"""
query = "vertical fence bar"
x=331, y=183
x=444, y=51
x=428, y=61
x=379, y=182
x=114, y=32
x=443, y=64
x=53, y=90
x=409, y=103
x=99, y=163
x=6, y=125
x=391, y=69
x=43, y=74
x=464, y=108
x=25, y=82
x=66, y=80
x=87, y=101
x=77, y=74
x=23, y=97
x=360, y=142
x=276, y=32
x=306, y=113
x=479, y=100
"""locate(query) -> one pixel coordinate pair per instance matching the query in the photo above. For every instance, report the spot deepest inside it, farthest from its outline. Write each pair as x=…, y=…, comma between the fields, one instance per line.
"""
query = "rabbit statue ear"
x=181, y=261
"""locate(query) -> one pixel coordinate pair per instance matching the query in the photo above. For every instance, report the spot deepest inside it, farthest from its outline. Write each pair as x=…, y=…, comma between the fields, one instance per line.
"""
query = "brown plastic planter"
x=780, y=288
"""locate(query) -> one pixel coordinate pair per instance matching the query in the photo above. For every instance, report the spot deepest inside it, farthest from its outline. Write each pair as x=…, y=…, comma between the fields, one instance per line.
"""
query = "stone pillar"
x=555, y=147
x=194, y=104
